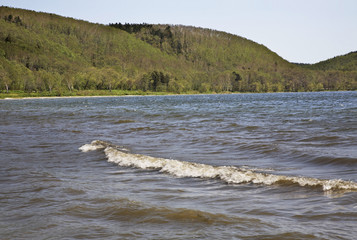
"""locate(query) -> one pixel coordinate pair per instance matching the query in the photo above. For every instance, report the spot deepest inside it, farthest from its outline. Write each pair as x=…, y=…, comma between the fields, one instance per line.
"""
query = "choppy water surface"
x=246, y=166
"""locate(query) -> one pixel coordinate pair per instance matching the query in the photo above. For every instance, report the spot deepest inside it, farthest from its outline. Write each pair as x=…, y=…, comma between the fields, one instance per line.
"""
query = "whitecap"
x=228, y=174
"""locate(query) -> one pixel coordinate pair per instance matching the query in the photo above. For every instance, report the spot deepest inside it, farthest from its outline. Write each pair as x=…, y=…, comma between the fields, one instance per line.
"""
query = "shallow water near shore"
x=238, y=166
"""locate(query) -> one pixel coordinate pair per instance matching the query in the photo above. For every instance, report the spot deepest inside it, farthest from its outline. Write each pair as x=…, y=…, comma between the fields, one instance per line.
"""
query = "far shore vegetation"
x=100, y=93
x=80, y=93
x=97, y=93
x=44, y=54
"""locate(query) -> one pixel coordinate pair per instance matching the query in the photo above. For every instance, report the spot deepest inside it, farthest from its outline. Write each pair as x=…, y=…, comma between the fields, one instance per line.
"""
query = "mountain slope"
x=46, y=52
x=217, y=55
x=346, y=62
x=73, y=49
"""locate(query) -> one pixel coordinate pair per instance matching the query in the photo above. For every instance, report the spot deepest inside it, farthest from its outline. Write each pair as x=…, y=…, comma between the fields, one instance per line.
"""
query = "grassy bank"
x=82, y=93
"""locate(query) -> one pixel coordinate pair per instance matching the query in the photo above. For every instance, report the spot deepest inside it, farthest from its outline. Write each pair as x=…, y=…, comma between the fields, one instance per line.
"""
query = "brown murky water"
x=247, y=166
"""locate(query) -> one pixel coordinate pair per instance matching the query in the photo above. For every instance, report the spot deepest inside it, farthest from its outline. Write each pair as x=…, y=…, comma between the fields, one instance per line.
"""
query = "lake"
x=235, y=166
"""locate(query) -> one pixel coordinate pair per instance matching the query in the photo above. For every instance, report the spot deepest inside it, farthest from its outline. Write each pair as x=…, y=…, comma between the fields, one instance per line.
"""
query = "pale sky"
x=304, y=31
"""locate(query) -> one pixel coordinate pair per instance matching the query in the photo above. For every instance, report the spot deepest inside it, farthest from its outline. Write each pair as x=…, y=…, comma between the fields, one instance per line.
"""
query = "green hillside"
x=346, y=62
x=42, y=52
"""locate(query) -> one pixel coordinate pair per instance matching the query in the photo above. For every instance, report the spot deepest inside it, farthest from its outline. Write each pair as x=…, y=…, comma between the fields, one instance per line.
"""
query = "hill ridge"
x=47, y=52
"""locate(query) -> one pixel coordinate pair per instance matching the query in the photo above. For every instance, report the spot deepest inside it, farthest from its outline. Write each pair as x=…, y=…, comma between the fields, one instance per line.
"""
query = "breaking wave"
x=229, y=174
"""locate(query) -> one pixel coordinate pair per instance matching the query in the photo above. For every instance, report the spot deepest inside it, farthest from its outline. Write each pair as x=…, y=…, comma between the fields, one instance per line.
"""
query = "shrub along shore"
x=83, y=93
x=99, y=93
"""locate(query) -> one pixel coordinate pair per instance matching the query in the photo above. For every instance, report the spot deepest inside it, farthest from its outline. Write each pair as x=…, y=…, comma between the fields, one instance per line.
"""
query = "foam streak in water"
x=228, y=174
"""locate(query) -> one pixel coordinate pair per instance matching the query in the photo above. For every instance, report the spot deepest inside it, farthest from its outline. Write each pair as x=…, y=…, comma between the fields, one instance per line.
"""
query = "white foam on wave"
x=228, y=174
x=97, y=144
x=90, y=147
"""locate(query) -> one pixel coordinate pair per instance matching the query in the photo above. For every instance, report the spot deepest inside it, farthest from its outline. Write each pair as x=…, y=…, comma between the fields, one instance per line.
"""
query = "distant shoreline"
x=59, y=97
x=79, y=94
x=135, y=94
x=97, y=93
x=107, y=96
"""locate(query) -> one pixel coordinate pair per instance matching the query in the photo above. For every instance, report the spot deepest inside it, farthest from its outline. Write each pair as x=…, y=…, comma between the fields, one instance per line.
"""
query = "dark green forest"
x=47, y=53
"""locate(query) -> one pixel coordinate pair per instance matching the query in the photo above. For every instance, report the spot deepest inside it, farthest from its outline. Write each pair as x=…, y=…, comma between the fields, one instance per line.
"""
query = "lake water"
x=239, y=166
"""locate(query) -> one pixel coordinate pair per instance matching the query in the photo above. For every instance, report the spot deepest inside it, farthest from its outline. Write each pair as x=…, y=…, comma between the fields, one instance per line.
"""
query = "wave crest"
x=229, y=174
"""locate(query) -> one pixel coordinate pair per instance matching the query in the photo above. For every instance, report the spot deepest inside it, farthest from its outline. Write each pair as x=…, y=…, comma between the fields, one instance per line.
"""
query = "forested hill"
x=346, y=62
x=45, y=52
